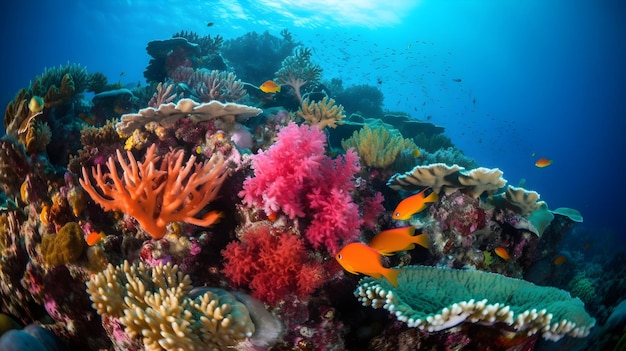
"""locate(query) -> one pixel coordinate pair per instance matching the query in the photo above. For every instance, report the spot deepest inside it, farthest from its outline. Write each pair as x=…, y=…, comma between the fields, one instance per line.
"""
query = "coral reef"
x=64, y=247
x=154, y=304
x=268, y=52
x=322, y=113
x=366, y=100
x=167, y=114
x=377, y=146
x=298, y=71
x=436, y=299
x=159, y=190
x=274, y=263
x=294, y=177
x=448, y=179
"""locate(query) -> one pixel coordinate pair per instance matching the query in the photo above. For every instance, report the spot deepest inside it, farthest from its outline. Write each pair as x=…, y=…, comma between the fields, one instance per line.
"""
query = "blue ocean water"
x=507, y=79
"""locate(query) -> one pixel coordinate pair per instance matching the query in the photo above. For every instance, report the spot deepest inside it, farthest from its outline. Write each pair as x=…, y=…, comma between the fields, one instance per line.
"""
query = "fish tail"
x=392, y=276
x=421, y=240
x=432, y=197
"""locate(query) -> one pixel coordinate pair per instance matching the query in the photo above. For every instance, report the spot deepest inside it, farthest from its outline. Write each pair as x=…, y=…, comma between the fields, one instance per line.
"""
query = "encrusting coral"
x=155, y=304
x=377, y=146
x=63, y=247
x=159, y=190
x=437, y=298
x=322, y=113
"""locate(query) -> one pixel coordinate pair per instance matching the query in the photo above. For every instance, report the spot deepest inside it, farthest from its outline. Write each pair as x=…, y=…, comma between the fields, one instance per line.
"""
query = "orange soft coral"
x=157, y=193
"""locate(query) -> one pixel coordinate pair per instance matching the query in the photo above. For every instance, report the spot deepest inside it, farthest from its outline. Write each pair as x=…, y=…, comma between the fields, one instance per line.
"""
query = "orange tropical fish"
x=414, y=204
x=543, y=162
x=587, y=246
x=269, y=86
x=502, y=253
x=360, y=258
x=390, y=241
x=272, y=216
x=94, y=237
x=559, y=260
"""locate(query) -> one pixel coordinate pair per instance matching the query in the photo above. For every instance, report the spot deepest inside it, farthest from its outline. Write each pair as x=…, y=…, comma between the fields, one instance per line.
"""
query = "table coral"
x=435, y=299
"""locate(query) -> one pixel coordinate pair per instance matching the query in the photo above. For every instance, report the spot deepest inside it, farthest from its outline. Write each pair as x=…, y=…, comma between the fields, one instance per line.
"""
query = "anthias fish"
x=393, y=240
x=359, y=258
x=414, y=204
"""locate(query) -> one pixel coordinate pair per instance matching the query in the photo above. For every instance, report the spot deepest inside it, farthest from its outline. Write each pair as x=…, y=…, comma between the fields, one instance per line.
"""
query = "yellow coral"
x=63, y=247
x=154, y=304
x=376, y=146
x=322, y=113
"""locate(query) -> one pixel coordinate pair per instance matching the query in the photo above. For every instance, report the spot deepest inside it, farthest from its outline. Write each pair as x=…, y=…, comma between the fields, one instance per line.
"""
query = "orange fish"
x=270, y=87
x=559, y=260
x=587, y=246
x=360, y=258
x=414, y=204
x=398, y=239
x=272, y=216
x=543, y=162
x=502, y=253
x=94, y=237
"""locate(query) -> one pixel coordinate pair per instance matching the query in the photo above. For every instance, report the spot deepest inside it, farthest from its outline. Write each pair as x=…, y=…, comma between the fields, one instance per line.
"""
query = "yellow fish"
x=414, y=204
x=269, y=86
x=390, y=241
x=359, y=258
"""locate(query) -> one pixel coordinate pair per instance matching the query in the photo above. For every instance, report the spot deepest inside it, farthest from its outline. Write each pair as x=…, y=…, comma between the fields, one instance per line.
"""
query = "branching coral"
x=322, y=113
x=216, y=85
x=163, y=95
x=155, y=304
x=159, y=190
x=274, y=264
x=378, y=147
x=298, y=70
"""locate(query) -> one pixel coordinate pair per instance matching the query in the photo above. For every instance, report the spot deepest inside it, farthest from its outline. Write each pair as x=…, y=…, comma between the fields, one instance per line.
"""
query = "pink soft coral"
x=273, y=264
x=296, y=177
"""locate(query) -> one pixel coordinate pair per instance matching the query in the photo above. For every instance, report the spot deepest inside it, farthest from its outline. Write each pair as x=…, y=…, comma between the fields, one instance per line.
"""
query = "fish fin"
x=386, y=253
x=411, y=230
x=392, y=276
x=421, y=240
x=278, y=89
x=432, y=197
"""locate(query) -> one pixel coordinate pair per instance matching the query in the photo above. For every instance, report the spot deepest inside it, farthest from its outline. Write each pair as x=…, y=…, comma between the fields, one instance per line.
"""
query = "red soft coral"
x=296, y=177
x=274, y=265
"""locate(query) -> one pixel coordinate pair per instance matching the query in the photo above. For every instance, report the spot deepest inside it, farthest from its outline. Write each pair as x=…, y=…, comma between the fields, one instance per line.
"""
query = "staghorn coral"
x=435, y=299
x=298, y=71
x=273, y=263
x=167, y=114
x=159, y=190
x=377, y=146
x=322, y=113
x=155, y=304
x=64, y=247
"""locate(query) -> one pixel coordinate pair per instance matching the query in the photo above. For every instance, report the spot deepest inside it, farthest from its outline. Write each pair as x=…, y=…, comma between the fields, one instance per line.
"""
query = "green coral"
x=439, y=298
x=64, y=247
x=581, y=287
